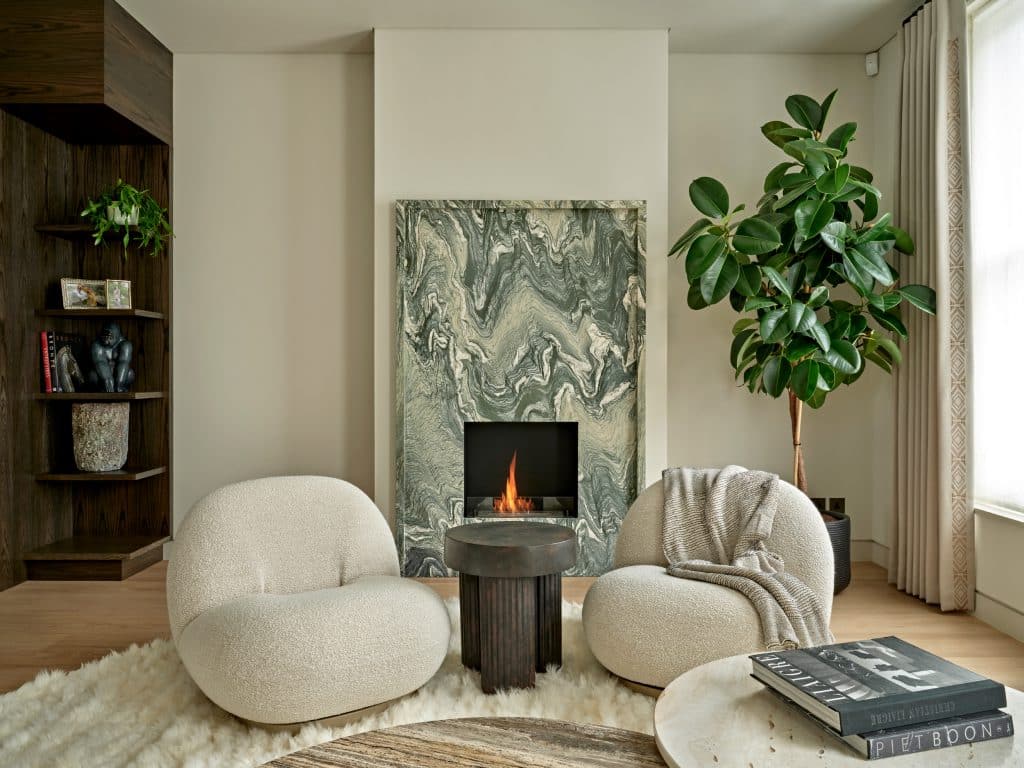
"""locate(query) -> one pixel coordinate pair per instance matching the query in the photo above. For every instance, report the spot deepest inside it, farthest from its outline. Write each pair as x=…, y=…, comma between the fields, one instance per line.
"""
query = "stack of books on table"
x=886, y=697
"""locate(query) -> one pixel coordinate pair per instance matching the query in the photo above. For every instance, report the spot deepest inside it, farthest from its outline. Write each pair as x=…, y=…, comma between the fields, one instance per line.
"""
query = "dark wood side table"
x=510, y=596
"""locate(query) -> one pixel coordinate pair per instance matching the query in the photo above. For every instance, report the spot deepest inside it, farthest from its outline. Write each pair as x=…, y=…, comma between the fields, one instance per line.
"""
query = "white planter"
x=115, y=214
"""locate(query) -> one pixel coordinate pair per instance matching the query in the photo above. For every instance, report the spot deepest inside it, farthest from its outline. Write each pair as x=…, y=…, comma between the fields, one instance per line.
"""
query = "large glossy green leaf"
x=798, y=347
x=742, y=324
x=827, y=376
x=777, y=280
x=804, y=380
x=852, y=273
x=795, y=179
x=698, y=228
x=811, y=216
x=795, y=277
x=770, y=128
x=880, y=230
x=833, y=235
x=693, y=298
x=755, y=235
x=904, y=242
x=821, y=336
x=818, y=297
x=869, y=262
x=773, y=181
x=719, y=278
x=835, y=180
x=844, y=357
x=773, y=325
x=869, y=207
x=709, y=197
x=739, y=344
x=758, y=302
x=885, y=301
x=704, y=251
x=749, y=282
x=867, y=187
x=890, y=320
x=891, y=348
x=921, y=296
x=861, y=174
x=804, y=110
x=801, y=317
x=776, y=376
x=841, y=136
x=826, y=105
x=794, y=194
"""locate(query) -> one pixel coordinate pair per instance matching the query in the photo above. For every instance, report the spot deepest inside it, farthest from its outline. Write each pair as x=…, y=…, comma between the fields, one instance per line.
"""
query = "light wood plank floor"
x=54, y=624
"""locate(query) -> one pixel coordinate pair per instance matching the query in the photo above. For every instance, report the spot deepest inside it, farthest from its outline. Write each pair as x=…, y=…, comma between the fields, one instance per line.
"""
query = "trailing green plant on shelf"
x=817, y=230
x=132, y=213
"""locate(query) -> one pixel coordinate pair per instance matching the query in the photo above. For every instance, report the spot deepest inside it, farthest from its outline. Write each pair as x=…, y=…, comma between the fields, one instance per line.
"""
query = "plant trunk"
x=796, y=411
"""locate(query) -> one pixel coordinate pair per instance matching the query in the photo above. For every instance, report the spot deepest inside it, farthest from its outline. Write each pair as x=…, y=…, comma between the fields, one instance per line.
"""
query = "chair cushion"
x=288, y=658
x=649, y=627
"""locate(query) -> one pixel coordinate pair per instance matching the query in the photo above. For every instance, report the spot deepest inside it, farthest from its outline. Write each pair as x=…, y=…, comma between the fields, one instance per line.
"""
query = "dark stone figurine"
x=111, y=360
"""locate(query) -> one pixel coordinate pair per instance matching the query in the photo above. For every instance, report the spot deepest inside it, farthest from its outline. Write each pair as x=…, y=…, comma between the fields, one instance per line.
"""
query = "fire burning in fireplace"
x=510, y=501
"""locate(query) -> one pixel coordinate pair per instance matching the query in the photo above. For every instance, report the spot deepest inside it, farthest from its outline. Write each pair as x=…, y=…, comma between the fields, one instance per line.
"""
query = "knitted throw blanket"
x=716, y=523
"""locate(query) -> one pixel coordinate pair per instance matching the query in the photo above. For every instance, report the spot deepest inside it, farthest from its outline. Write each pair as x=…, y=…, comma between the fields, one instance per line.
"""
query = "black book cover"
x=923, y=737
x=71, y=361
x=870, y=685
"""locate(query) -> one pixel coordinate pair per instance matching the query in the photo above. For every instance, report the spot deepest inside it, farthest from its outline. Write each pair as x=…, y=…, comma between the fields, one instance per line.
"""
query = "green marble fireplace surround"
x=518, y=310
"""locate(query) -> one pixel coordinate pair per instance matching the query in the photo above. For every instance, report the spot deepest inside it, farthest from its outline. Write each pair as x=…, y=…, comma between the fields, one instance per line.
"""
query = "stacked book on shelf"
x=60, y=355
x=886, y=697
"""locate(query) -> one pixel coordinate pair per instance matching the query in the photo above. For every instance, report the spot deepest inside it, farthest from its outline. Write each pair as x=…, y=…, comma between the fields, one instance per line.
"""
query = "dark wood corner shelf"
x=77, y=231
x=83, y=313
x=94, y=557
x=119, y=476
x=85, y=397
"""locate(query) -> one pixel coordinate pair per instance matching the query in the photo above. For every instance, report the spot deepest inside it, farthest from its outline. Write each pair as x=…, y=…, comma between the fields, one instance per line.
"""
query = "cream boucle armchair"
x=648, y=627
x=286, y=604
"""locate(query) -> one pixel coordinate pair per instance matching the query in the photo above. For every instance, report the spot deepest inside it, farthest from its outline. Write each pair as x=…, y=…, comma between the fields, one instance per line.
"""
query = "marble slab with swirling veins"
x=517, y=311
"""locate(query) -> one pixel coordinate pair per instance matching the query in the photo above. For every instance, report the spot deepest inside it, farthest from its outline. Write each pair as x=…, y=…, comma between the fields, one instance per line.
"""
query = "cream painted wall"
x=999, y=588
x=273, y=361
x=519, y=114
x=716, y=105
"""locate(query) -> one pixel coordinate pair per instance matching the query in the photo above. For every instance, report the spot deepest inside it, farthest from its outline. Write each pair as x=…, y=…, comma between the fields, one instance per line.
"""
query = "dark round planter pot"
x=838, y=526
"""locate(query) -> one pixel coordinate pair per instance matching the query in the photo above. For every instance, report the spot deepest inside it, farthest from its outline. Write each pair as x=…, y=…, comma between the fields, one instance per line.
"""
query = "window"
x=997, y=251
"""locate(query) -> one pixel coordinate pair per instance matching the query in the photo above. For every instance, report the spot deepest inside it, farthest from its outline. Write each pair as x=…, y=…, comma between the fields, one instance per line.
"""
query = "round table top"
x=717, y=715
x=474, y=742
x=510, y=549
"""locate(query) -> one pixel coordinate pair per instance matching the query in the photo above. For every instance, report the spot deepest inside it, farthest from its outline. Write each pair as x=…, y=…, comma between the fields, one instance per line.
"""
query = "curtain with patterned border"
x=932, y=533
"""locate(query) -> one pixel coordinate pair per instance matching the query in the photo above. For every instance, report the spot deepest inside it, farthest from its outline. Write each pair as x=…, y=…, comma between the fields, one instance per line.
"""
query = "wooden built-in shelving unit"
x=85, y=100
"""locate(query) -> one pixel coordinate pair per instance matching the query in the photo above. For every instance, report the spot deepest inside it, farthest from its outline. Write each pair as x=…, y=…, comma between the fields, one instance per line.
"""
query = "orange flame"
x=510, y=501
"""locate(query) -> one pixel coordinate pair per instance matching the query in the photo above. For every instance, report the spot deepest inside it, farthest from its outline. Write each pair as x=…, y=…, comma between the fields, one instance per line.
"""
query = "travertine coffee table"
x=716, y=715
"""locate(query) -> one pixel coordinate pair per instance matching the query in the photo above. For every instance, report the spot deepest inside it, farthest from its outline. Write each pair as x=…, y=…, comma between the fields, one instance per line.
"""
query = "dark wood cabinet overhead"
x=85, y=71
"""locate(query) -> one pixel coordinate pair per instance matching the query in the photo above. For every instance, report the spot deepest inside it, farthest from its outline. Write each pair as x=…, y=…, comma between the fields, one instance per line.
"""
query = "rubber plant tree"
x=810, y=272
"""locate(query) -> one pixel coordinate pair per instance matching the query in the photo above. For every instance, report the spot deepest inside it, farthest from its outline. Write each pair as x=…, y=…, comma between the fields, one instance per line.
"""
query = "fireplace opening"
x=521, y=468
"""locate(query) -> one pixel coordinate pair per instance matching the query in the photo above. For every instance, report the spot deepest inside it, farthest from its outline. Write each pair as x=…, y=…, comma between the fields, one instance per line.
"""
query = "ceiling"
x=697, y=26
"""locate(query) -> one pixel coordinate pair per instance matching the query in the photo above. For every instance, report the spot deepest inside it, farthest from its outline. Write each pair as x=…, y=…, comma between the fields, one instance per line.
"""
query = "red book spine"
x=47, y=380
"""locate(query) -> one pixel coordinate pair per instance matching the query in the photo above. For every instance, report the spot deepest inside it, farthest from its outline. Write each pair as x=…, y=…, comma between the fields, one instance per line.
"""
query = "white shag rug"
x=139, y=707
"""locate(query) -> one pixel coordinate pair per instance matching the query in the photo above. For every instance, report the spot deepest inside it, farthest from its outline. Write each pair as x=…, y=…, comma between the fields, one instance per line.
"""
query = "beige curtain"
x=932, y=534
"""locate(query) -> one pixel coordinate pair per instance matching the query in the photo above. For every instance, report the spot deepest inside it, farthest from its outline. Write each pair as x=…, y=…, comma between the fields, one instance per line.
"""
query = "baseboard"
x=999, y=615
x=869, y=551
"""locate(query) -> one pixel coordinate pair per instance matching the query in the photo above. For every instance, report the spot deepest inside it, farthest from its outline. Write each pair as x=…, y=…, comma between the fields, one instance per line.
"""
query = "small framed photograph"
x=83, y=294
x=119, y=294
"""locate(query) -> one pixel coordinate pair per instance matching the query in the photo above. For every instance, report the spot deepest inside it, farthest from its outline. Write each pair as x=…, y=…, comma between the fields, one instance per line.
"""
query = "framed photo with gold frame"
x=119, y=294
x=78, y=293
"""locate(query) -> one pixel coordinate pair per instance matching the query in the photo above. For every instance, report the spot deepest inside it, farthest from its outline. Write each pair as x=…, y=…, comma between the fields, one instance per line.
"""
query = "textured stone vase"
x=100, y=435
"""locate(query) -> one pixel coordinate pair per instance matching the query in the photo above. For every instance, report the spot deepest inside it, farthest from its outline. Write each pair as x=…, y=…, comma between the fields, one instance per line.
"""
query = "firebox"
x=521, y=468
